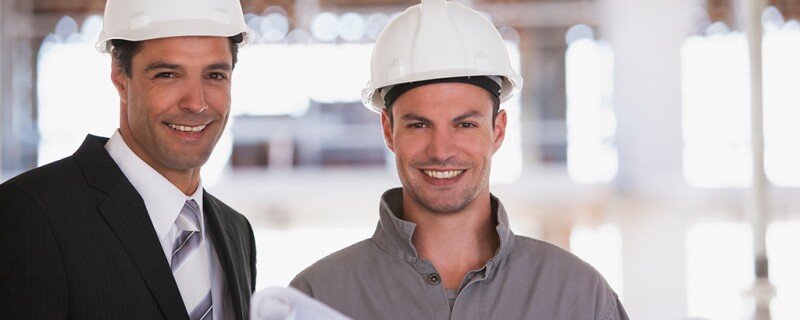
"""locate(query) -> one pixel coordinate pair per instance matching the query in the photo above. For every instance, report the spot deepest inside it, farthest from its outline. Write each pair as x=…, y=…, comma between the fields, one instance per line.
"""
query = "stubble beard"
x=449, y=204
x=185, y=161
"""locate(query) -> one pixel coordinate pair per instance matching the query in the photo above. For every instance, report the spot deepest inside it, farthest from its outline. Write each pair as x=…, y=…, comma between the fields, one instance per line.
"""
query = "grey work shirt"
x=383, y=278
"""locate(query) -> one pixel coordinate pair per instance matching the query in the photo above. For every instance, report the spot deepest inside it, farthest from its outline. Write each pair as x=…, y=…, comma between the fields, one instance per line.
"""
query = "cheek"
x=218, y=95
x=141, y=97
x=407, y=147
x=479, y=145
x=145, y=108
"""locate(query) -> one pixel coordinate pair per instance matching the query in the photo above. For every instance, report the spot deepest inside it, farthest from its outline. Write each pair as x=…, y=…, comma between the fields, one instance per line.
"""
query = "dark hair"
x=495, y=108
x=123, y=51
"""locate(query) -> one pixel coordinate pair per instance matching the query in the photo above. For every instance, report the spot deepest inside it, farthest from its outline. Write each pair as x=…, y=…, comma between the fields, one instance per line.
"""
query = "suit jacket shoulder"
x=76, y=242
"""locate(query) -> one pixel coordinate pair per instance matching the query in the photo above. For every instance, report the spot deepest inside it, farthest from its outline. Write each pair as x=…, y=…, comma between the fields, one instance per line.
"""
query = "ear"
x=387, y=130
x=120, y=81
x=499, y=129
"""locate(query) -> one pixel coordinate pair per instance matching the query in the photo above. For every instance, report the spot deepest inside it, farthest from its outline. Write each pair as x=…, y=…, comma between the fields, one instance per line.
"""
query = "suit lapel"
x=220, y=231
x=126, y=214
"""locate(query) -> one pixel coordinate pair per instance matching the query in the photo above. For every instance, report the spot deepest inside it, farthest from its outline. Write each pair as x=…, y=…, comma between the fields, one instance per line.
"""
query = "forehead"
x=189, y=47
x=444, y=98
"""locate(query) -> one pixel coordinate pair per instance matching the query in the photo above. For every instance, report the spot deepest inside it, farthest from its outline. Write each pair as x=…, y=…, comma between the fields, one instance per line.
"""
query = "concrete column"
x=304, y=12
x=646, y=37
x=17, y=57
x=2, y=94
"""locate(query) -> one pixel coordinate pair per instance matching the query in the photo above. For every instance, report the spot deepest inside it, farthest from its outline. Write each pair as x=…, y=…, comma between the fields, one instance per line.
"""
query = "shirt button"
x=434, y=279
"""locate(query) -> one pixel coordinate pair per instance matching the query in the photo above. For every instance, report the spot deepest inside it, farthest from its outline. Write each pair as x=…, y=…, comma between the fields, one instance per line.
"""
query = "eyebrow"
x=167, y=65
x=414, y=117
x=467, y=115
x=220, y=66
x=161, y=65
x=470, y=114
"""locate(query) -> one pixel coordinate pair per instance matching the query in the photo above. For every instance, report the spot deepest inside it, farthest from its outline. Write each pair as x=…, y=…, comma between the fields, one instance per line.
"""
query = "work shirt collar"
x=393, y=234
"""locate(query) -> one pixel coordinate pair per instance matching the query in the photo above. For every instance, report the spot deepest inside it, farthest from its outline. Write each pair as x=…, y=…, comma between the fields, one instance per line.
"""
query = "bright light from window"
x=352, y=26
x=602, y=248
x=716, y=108
x=720, y=269
x=716, y=112
x=337, y=73
x=719, y=259
x=591, y=124
x=279, y=79
x=782, y=106
x=325, y=26
x=265, y=82
x=282, y=254
x=507, y=162
x=76, y=97
x=784, y=261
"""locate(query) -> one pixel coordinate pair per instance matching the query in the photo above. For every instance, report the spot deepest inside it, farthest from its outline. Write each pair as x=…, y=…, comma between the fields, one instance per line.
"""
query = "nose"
x=442, y=145
x=194, y=100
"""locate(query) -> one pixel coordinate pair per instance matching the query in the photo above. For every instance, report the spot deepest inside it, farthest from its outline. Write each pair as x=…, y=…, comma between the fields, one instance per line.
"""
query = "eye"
x=467, y=125
x=417, y=125
x=218, y=76
x=165, y=75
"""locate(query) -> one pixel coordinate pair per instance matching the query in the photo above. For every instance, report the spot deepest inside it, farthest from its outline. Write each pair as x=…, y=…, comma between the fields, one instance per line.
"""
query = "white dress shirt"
x=164, y=202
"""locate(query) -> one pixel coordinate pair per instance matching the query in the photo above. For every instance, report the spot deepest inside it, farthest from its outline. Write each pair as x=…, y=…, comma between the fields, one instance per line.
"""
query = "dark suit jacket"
x=76, y=242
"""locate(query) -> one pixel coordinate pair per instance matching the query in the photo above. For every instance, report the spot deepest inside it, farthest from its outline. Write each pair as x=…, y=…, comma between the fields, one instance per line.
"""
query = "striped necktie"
x=190, y=264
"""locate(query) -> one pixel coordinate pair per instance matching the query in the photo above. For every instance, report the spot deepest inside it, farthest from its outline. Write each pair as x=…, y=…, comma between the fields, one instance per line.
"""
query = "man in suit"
x=123, y=229
x=443, y=248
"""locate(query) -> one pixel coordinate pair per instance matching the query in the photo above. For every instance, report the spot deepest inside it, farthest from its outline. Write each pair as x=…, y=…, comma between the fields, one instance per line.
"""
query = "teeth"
x=186, y=128
x=443, y=174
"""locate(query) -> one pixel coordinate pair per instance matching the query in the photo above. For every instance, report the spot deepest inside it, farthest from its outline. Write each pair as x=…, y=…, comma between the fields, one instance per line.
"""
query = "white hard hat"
x=138, y=20
x=434, y=40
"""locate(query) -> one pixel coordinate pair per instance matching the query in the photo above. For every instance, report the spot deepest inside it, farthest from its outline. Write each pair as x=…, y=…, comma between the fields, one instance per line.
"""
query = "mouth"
x=443, y=174
x=182, y=128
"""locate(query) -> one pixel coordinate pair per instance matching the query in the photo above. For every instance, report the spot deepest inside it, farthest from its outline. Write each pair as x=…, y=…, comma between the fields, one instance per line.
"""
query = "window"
x=591, y=123
x=781, y=101
x=716, y=108
x=716, y=111
x=720, y=269
x=600, y=246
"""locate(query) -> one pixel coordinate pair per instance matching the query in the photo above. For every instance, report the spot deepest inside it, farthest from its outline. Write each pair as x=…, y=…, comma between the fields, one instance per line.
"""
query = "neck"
x=186, y=180
x=187, y=183
x=455, y=243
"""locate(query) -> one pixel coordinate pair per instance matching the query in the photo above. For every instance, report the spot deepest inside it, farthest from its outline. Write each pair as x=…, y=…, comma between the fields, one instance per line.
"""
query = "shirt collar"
x=393, y=234
x=162, y=199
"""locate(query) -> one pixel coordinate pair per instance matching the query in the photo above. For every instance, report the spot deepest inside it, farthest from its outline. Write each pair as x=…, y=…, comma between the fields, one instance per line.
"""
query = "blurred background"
x=640, y=141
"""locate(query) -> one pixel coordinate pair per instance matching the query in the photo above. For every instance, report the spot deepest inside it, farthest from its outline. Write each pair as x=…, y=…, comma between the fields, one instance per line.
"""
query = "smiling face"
x=175, y=103
x=443, y=139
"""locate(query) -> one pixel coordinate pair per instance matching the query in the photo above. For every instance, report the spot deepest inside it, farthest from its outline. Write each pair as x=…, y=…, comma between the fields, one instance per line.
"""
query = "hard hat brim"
x=175, y=29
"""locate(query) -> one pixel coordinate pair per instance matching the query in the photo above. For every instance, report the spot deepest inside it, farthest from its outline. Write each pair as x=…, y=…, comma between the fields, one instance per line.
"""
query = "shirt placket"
x=434, y=289
x=470, y=298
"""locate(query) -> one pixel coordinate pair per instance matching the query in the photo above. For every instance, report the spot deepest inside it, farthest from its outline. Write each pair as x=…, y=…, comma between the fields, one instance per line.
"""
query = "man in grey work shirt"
x=443, y=248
